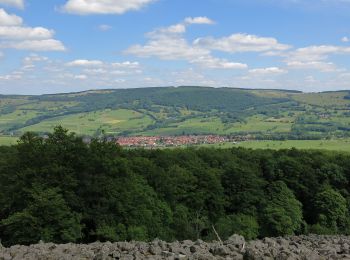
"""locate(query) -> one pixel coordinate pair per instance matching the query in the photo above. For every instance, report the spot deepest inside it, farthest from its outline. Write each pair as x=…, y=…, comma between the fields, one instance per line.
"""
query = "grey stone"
x=181, y=257
x=236, y=240
x=220, y=251
x=155, y=250
x=311, y=247
x=198, y=242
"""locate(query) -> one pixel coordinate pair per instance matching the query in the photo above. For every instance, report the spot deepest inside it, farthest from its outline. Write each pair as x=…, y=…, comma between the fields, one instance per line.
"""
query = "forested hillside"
x=62, y=190
x=261, y=114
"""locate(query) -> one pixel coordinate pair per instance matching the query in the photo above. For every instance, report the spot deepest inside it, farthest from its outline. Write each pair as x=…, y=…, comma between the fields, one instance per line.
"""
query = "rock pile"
x=299, y=247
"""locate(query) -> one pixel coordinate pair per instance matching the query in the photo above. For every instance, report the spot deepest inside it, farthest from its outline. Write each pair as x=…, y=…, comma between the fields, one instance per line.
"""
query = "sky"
x=57, y=46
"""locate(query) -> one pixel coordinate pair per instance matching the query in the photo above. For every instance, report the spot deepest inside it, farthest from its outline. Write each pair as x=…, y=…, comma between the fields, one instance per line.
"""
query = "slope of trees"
x=61, y=190
x=194, y=98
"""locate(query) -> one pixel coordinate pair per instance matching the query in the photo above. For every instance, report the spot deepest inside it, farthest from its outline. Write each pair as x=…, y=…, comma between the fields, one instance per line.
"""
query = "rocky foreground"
x=301, y=247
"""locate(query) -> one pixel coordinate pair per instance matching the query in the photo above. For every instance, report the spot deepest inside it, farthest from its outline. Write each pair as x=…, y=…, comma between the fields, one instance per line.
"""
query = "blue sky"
x=73, y=45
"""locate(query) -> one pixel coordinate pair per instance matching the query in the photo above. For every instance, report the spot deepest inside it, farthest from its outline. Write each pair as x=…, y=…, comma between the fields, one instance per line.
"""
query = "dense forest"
x=60, y=189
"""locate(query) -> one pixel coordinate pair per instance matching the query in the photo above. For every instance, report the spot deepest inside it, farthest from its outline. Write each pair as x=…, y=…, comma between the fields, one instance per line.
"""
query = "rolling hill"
x=262, y=114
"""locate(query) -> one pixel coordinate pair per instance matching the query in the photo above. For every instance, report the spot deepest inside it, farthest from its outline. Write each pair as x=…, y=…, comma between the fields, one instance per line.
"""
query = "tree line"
x=59, y=189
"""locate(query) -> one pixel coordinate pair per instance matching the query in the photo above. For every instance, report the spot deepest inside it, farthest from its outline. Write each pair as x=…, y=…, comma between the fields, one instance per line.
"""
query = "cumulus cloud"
x=241, y=43
x=168, y=43
x=85, y=63
x=345, y=39
x=15, y=32
x=126, y=64
x=104, y=27
x=9, y=19
x=105, y=69
x=15, y=3
x=100, y=67
x=167, y=48
x=29, y=62
x=34, y=45
x=87, y=7
x=80, y=76
x=268, y=71
x=216, y=63
x=188, y=76
x=11, y=76
x=314, y=57
x=312, y=65
x=177, y=28
x=315, y=53
x=16, y=36
x=39, y=69
x=33, y=57
x=180, y=28
x=199, y=20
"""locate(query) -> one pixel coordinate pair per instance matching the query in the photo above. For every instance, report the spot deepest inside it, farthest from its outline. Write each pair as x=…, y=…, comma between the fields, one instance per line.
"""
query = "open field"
x=8, y=140
x=333, y=145
x=261, y=123
x=258, y=123
x=326, y=99
x=111, y=121
x=336, y=145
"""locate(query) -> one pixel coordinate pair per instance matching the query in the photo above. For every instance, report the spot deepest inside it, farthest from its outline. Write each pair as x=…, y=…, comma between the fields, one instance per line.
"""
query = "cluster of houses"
x=168, y=141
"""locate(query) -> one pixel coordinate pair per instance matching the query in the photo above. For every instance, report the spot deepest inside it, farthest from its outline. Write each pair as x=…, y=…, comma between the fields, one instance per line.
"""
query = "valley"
x=270, y=115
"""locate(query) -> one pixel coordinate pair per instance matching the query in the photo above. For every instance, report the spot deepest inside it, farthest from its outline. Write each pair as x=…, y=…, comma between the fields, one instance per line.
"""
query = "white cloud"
x=199, y=20
x=95, y=71
x=216, y=63
x=314, y=53
x=167, y=48
x=86, y=7
x=15, y=32
x=310, y=79
x=268, y=71
x=126, y=64
x=80, y=76
x=29, y=62
x=85, y=63
x=34, y=45
x=104, y=27
x=314, y=57
x=241, y=43
x=177, y=28
x=9, y=19
x=100, y=67
x=119, y=72
x=181, y=27
x=13, y=35
x=45, y=72
x=10, y=77
x=187, y=77
x=32, y=58
x=345, y=39
x=15, y=3
x=312, y=65
x=169, y=44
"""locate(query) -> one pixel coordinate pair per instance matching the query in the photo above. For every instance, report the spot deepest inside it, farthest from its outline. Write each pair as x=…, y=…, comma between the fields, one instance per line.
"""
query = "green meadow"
x=332, y=145
x=110, y=121
x=8, y=140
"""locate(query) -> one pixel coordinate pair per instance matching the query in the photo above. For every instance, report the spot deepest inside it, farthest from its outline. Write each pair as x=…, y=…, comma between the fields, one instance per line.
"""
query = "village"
x=173, y=141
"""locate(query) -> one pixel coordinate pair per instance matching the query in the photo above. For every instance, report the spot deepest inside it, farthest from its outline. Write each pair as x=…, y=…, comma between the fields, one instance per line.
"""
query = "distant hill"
x=263, y=114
